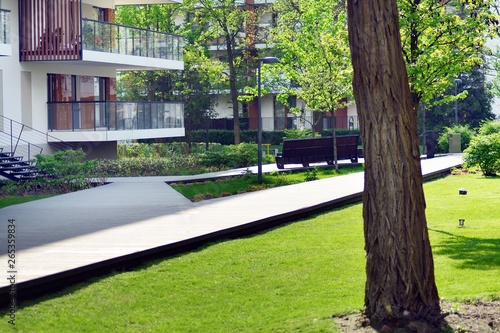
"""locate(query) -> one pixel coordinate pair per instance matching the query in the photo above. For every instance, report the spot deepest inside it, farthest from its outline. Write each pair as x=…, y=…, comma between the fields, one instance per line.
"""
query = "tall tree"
x=440, y=40
x=223, y=21
x=311, y=38
x=399, y=265
x=472, y=110
x=193, y=85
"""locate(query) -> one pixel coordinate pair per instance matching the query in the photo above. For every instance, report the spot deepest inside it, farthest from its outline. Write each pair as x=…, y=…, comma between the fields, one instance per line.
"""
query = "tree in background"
x=484, y=149
x=193, y=85
x=311, y=39
x=441, y=40
x=399, y=264
x=224, y=21
x=472, y=110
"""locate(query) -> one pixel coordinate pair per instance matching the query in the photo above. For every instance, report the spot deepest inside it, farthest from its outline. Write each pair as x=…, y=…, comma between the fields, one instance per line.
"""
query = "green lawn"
x=229, y=186
x=288, y=279
x=8, y=201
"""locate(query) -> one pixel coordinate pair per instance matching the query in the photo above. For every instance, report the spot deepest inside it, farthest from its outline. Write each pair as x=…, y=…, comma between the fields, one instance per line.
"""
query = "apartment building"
x=58, y=65
x=275, y=115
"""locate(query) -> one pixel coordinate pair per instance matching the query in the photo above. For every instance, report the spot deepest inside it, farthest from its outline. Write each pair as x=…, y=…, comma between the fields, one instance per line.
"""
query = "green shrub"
x=340, y=131
x=466, y=134
x=63, y=172
x=290, y=134
x=67, y=171
x=159, y=166
x=489, y=127
x=226, y=137
x=484, y=149
x=151, y=150
x=231, y=156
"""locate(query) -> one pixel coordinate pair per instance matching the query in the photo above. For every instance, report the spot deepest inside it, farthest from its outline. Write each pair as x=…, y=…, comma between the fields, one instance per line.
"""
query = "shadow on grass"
x=471, y=252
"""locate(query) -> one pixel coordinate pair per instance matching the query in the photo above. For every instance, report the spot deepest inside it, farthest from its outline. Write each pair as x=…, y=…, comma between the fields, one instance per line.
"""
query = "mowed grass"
x=9, y=201
x=289, y=279
x=250, y=182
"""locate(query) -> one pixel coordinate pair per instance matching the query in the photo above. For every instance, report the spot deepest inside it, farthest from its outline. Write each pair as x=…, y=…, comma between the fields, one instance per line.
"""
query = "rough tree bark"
x=399, y=265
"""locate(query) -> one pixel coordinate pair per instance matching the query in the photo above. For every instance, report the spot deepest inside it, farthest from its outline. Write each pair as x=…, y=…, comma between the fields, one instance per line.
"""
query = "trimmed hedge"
x=226, y=137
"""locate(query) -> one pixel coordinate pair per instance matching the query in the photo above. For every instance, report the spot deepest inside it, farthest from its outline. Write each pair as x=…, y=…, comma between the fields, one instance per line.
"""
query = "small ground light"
x=462, y=191
x=461, y=222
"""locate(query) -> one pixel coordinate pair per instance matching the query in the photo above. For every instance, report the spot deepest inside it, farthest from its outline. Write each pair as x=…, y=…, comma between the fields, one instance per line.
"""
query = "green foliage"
x=311, y=174
x=266, y=276
x=198, y=191
x=151, y=166
x=296, y=134
x=441, y=40
x=466, y=134
x=471, y=110
x=311, y=38
x=14, y=200
x=68, y=170
x=340, y=131
x=231, y=157
x=489, y=127
x=63, y=172
x=484, y=149
x=226, y=137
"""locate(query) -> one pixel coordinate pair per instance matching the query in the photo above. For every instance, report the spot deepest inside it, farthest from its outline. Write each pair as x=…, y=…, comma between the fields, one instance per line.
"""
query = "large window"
x=79, y=101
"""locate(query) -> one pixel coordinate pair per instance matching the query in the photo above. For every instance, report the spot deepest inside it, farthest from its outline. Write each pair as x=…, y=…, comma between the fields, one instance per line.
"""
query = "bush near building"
x=484, y=149
x=466, y=134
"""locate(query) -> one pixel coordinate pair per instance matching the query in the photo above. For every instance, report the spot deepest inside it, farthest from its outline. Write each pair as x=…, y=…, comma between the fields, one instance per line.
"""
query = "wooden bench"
x=315, y=150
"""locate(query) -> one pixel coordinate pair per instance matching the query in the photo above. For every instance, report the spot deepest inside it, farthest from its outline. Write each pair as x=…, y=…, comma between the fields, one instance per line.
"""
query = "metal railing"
x=114, y=115
x=18, y=139
x=4, y=26
x=120, y=39
x=281, y=123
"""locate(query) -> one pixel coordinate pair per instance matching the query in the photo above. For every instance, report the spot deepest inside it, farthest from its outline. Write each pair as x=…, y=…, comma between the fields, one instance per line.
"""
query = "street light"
x=457, y=82
x=265, y=60
x=207, y=118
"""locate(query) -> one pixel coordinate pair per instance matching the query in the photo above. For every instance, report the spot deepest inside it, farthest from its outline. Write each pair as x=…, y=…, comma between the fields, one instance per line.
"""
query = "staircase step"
x=2, y=164
x=19, y=167
x=6, y=158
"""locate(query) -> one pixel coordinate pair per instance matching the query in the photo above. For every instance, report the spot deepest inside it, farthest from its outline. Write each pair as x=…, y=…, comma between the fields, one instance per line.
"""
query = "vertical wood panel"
x=50, y=30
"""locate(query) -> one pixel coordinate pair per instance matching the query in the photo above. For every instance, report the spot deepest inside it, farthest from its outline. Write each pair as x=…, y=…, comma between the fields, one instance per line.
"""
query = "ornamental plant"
x=484, y=149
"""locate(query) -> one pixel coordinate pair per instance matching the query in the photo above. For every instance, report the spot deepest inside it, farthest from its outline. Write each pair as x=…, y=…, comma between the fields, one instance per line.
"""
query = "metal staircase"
x=15, y=168
x=17, y=152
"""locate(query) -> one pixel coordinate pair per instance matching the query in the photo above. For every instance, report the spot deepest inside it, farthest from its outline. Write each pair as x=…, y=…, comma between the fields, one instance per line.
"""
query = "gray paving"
x=131, y=216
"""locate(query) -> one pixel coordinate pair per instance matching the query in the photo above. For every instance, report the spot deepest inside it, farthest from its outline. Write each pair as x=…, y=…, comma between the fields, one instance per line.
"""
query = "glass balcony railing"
x=4, y=26
x=114, y=115
x=119, y=39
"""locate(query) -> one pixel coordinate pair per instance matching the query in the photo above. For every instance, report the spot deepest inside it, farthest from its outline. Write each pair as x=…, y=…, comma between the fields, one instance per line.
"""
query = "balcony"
x=115, y=120
x=121, y=42
x=72, y=38
x=5, y=46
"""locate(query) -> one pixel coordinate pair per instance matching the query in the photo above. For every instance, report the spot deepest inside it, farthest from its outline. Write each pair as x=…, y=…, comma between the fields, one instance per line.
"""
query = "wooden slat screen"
x=50, y=30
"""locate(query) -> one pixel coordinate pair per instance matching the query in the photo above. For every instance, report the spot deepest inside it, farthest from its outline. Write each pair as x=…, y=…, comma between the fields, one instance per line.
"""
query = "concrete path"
x=62, y=238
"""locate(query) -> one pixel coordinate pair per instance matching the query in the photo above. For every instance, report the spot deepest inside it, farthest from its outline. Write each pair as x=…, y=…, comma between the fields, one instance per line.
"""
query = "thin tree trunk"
x=233, y=90
x=399, y=265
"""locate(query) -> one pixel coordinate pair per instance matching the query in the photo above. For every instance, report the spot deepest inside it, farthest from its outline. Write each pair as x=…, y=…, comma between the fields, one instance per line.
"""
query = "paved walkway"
x=68, y=236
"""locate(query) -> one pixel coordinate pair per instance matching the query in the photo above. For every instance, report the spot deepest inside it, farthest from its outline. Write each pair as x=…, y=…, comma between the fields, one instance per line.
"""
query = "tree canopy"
x=311, y=39
x=441, y=40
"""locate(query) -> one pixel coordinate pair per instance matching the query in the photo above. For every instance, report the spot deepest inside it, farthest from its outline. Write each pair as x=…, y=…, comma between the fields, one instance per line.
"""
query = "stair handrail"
x=23, y=126
x=29, y=144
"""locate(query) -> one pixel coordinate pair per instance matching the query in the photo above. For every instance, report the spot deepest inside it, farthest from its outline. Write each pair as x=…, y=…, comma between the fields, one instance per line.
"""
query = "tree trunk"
x=233, y=90
x=399, y=265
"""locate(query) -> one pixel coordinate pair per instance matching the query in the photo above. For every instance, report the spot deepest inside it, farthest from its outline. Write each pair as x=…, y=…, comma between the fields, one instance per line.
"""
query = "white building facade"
x=58, y=65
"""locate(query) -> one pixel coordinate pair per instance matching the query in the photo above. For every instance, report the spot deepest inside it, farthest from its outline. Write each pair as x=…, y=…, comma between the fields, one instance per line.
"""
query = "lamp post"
x=265, y=60
x=207, y=118
x=457, y=82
